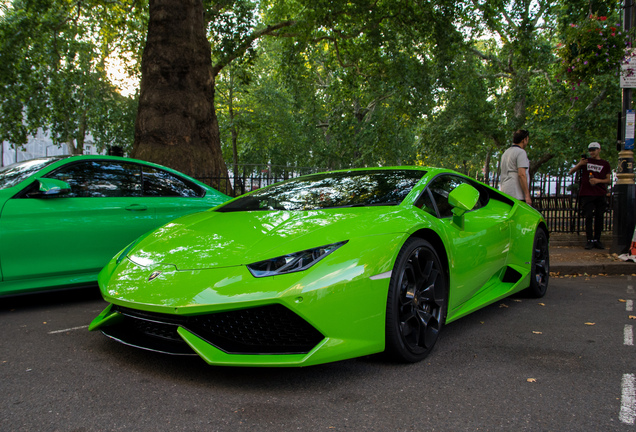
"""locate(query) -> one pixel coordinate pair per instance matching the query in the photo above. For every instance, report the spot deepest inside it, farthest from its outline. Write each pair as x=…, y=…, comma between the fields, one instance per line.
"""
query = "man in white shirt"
x=514, y=168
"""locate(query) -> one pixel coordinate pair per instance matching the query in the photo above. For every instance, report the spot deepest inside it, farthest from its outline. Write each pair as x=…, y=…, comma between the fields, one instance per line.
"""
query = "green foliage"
x=593, y=47
x=53, y=74
x=510, y=77
x=326, y=84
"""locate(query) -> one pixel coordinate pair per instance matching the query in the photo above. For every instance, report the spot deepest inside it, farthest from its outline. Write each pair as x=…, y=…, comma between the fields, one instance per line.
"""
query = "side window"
x=160, y=183
x=425, y=203
x=443, y=185
x=100, y=179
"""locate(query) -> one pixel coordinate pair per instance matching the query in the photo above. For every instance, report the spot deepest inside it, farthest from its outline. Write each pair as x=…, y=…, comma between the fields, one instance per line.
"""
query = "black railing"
x=252, y=177
x=563, y=213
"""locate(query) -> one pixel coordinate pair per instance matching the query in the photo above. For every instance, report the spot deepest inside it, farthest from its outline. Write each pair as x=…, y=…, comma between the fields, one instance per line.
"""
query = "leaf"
x=632, y=317
x=532, y=380
x=503, y=305
x=537, y=332
x=590, y=323
x=622, y=300
x=541, y=304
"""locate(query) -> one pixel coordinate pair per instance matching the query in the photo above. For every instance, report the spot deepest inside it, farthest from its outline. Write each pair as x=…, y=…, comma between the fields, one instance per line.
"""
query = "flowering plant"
x=592, y=48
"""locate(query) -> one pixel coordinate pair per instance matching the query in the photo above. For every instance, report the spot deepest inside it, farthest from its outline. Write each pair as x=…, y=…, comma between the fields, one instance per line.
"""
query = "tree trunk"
x=487, y=167
x=176, y=122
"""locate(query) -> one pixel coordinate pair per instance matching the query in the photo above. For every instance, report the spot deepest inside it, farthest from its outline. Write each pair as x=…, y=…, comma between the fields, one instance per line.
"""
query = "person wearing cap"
x=514, y=168
x=595, y=176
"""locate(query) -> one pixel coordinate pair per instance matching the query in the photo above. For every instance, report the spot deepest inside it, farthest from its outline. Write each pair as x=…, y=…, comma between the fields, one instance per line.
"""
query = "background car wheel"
x=416, y=303
x=540, y=274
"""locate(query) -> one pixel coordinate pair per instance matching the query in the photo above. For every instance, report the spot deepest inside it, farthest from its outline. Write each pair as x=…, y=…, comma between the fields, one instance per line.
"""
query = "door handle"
x=137, y=207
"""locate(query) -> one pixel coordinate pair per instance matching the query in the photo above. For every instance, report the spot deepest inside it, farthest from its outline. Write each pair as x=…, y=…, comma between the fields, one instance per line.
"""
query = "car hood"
x=216, y=239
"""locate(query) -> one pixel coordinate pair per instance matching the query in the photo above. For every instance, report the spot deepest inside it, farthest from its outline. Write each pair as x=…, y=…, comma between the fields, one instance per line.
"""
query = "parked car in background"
x=325, y=267
x=62, y=218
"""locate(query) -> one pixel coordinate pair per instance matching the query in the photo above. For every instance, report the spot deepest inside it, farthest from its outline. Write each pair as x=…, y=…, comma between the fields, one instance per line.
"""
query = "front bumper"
x=331, y=312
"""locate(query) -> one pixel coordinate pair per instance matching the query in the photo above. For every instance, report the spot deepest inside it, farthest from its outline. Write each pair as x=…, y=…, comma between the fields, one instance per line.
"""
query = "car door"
x=479, y=251
x=78, y=232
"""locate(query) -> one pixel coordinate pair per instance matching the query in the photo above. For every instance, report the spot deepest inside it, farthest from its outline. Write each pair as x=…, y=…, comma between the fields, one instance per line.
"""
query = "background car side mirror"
x=50, y=188
x=462, y=198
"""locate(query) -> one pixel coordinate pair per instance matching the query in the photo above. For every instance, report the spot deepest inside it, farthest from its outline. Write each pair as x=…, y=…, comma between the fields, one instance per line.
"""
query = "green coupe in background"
x=63, y=218
x=325, y=267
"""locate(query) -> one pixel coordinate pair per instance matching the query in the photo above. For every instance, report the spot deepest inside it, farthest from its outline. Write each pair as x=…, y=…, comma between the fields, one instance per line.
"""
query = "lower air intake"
x=271, y=329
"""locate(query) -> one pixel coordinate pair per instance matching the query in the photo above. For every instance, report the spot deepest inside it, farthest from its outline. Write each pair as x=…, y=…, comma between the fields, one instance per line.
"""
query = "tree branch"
x=248, y=43
x=597, y=100
x=509, y=20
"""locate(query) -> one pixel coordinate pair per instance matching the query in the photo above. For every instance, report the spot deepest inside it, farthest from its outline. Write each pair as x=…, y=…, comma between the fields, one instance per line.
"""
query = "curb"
x=611, y=268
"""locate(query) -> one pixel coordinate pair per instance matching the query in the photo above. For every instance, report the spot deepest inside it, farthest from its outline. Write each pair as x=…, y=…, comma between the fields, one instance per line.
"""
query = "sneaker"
x=598, y=244
x=589, y=244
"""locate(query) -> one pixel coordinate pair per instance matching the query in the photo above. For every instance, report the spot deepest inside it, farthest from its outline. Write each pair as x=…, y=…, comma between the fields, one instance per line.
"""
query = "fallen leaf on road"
x=531, y=380
x=541, y=304
x=536, y=332
x=503, y=305
x=590, y=323
x=622, y=300
x=632, y=317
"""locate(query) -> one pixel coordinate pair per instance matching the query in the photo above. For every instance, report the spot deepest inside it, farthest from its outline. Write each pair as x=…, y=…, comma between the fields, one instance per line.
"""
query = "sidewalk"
x=569, y=257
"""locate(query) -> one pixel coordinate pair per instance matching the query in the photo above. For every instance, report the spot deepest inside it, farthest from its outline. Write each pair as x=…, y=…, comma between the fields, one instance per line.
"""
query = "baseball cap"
x=594, y=146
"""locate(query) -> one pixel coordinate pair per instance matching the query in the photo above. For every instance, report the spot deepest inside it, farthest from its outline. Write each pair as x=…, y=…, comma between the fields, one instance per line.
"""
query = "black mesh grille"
x=271, y=329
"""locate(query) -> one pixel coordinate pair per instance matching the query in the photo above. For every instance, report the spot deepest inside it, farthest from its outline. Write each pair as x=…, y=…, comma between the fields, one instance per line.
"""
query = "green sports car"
x=325, y=267
x=63, y=218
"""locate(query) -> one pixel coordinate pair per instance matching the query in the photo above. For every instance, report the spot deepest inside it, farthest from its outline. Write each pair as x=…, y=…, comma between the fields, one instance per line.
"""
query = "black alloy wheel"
x=540, y=266
x=416, y=303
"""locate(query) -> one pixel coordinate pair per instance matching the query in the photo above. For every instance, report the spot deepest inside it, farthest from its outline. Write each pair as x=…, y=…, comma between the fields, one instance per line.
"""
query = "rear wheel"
x=540, y=272
x=416, y=303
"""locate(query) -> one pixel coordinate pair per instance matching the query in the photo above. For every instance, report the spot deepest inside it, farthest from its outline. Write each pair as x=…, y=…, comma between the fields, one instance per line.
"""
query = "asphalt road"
x=562, y=363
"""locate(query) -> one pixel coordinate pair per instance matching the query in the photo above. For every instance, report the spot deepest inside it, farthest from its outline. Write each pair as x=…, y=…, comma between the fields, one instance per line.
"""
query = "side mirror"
x=51, y=188
x=462, y=198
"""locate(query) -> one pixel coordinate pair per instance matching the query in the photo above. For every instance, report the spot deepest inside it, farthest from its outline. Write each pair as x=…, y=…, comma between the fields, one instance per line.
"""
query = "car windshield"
x=329, y=190
x=13, y=174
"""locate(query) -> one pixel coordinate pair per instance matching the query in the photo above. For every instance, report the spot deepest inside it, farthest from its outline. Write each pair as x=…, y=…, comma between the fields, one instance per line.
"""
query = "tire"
x=416, y=303
x=540, y=265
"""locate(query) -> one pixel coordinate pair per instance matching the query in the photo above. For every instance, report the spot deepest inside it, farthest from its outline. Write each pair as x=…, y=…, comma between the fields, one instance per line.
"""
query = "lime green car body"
x=59, y=225
x=202, y=279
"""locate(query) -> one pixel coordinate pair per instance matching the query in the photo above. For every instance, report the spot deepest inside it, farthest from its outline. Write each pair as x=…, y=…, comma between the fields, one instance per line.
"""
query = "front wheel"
x=540, y=271
x=416, y=303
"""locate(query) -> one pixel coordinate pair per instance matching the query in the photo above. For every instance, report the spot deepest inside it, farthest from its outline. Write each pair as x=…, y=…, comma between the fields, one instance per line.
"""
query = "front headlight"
x=291, y=263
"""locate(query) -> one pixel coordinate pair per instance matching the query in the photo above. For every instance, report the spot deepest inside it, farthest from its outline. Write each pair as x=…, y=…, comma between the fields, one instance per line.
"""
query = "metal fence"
x=554, y=197
x=249, y=177
x=557, y=199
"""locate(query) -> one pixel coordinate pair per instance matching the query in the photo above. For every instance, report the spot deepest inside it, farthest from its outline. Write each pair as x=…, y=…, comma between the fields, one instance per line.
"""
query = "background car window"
x=160, y=183
x=441, y=186
x=101, y=179
x=13, y=174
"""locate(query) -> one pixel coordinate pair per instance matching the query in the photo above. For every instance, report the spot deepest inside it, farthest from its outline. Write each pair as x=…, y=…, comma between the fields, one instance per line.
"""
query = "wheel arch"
x=435, y=240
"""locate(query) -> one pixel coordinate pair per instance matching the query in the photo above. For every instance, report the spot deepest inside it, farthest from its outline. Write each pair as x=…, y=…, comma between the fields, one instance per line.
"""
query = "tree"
x=509, y=77
x=176, y=123
x=369, y=46
x=53, y=75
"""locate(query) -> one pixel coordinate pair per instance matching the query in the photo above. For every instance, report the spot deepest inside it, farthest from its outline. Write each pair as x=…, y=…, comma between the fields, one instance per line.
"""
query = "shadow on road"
x=50, y=298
